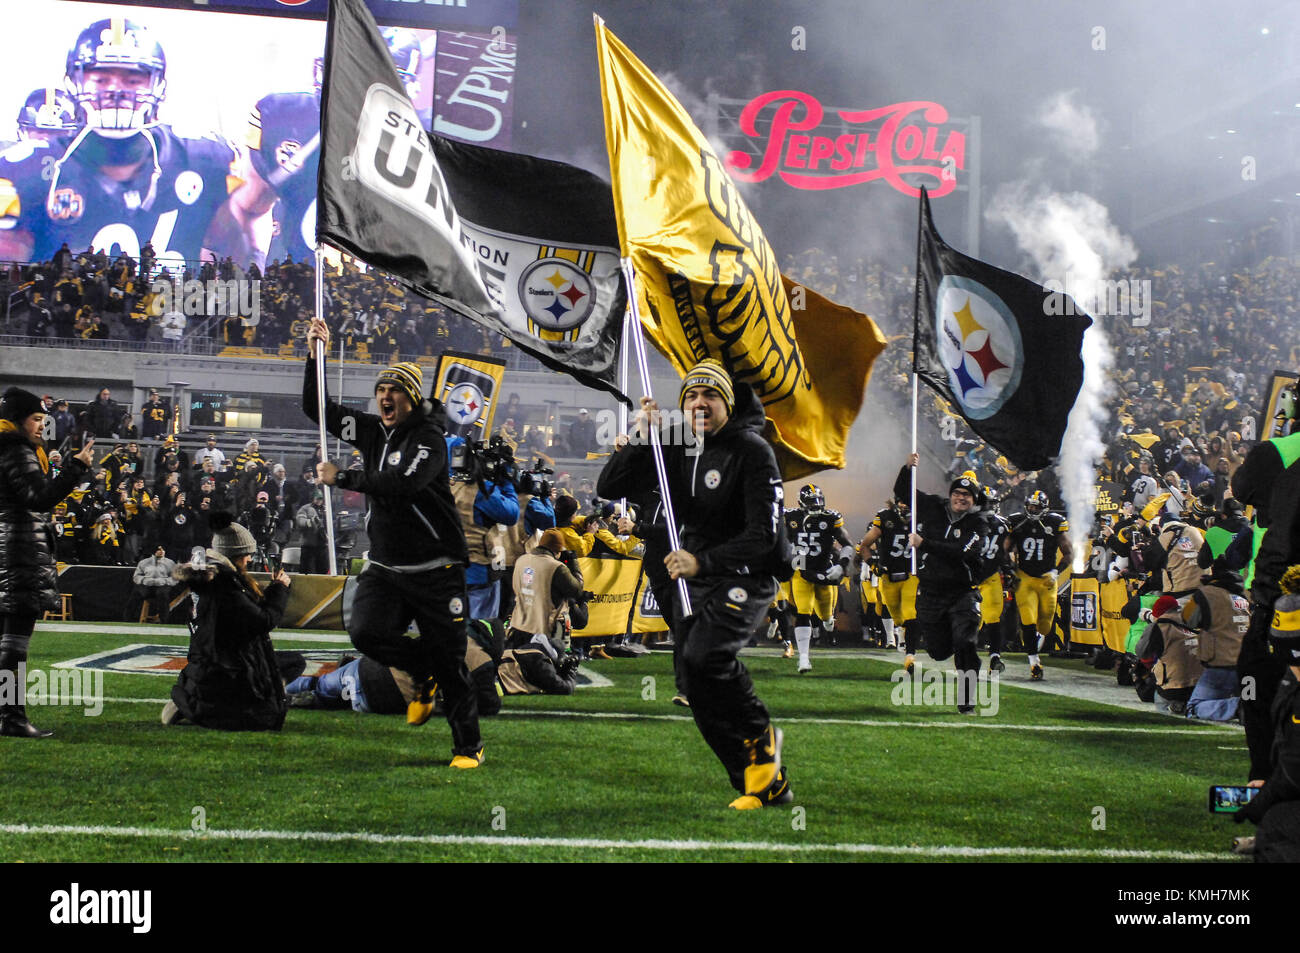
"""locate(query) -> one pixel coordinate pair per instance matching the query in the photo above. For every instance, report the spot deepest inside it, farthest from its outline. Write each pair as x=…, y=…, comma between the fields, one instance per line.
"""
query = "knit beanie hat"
x=19, y=404
x=709, y=373
x=553, y=540
x=229, y=538
x=1163, y=605
x=1285, y=630
x=408, y=377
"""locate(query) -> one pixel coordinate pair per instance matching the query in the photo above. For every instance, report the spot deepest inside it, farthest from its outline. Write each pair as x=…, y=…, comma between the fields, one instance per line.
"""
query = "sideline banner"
x=613, y=580
x=648, y=615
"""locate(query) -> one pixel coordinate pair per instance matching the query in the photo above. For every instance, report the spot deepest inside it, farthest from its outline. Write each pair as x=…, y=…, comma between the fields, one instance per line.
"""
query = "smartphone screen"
x=1230, y=798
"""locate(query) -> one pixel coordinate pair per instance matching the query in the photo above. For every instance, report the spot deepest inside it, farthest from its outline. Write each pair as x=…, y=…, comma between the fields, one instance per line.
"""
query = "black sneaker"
x=965, y=709
x=995, y=664
x=764, y=768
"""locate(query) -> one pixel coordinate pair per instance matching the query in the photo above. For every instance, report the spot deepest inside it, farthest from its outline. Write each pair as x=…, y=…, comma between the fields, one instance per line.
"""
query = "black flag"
x=1003, y=350
x=525, y=247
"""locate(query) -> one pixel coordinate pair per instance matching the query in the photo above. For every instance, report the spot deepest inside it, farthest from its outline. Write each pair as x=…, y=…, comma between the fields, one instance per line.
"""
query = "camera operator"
x=482, y=484
x=308, y=534
x=536, y=515
x=260, y=520
x=545, y=587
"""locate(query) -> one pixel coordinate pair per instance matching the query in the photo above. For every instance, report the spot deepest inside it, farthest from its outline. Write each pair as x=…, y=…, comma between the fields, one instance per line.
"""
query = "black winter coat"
x=28, y=581
x=232, y=681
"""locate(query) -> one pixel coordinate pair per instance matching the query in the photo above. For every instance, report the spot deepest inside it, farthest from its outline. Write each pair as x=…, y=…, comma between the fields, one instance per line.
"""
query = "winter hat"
x=565, y=507
x=19, y=404
x=408, y=377
x=964, y=482
x=229, y=538
x=553, y=540
x=1285, y=630
x=1163, y=605
x=709, y=373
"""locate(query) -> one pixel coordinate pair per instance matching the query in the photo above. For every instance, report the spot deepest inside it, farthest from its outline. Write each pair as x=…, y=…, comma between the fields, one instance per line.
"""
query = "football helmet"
x=811, y=497
x=404, y=48
x=47, y=114
x=1037, y=503
x=117, y=44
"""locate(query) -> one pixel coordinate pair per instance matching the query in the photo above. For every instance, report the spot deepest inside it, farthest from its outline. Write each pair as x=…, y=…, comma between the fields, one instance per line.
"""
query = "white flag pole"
x=320, y=408
x=622, y=384
x=657, y=451
x=912, y=504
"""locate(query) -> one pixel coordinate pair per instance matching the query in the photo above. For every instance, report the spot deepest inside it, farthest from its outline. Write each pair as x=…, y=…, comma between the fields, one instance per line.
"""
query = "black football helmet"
x=49, y=113
x=811, y=497
x=119, y=44
x=1037, y=503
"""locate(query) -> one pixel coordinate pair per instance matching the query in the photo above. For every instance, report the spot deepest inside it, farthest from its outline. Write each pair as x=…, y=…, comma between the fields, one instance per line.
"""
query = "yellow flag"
x=709, y=281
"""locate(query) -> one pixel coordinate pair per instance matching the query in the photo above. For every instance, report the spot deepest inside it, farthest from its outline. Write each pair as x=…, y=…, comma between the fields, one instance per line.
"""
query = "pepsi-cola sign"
x=884, y=142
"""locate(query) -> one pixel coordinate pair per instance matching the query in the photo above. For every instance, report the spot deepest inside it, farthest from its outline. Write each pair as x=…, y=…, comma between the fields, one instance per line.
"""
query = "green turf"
x=614, y=779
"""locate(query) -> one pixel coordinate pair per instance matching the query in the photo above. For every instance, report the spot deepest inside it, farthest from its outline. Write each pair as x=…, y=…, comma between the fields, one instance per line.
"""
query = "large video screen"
x=213, y=153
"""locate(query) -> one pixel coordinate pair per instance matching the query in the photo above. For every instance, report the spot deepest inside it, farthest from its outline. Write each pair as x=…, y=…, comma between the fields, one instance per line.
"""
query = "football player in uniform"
x=283, y=142
x=49, y=115
x=780, y=613
x=993, y=562
x=887, y=535
x=822, y=553
x=1037, y=537
x=124, y=179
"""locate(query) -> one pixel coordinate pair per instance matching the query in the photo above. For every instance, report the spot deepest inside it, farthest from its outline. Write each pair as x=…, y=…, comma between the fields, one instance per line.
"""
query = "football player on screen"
x=279, y=175
x=822, y=554
x=125, y=179
x=49, y=115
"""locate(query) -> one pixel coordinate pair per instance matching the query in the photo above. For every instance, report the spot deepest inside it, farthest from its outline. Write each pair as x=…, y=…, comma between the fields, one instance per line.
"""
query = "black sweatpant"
x=1277, y=839
x=385, y=604
x=726, y=612
x=949, y=623
x=1260, y=674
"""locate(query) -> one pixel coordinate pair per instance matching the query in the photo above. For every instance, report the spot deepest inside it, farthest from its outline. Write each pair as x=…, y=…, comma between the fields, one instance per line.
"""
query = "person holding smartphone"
x=234, y=679
x=28, y=578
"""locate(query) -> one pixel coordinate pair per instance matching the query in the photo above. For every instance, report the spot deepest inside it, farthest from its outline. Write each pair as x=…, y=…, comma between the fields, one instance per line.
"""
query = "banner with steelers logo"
x=1005, y=351
x=467, y=386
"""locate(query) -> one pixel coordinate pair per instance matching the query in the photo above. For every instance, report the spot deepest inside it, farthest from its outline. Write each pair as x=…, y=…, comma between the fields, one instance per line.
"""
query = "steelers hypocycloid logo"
x=979, y=342
x=465, y=404
x=556, y=294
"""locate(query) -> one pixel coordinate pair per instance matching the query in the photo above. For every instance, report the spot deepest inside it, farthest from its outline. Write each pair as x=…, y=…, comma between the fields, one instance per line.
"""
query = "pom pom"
x=1290, y=582
x=219, y=520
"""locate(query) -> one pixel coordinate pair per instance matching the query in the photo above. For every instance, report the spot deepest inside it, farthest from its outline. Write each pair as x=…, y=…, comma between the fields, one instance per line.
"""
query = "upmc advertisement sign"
x=793, y=137
x=426, y=14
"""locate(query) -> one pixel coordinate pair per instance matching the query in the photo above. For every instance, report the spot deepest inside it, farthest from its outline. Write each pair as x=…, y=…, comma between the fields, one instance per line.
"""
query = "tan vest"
x=1178, y=666
x=1220, y=643
x=487, y=544
x=511, y=676
x=1181, y=544
x=518, y=541
x=535, y=612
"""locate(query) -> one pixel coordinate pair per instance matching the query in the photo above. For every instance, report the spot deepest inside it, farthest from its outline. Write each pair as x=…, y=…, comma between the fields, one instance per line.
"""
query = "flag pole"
x=656, y=450
x=911, y=506
x=320, y=408
x=622, y=385
x=916, y=317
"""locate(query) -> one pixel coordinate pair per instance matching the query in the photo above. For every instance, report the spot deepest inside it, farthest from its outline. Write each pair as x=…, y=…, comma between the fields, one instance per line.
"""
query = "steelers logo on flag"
x=465, y=405
x=557, y=296
x=980, y=344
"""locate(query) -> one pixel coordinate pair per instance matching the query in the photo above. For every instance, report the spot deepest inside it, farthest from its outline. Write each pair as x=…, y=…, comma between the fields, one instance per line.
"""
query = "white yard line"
x=595, y=843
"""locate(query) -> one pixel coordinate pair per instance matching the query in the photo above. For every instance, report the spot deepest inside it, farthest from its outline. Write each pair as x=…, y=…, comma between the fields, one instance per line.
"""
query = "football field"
x=881, y=771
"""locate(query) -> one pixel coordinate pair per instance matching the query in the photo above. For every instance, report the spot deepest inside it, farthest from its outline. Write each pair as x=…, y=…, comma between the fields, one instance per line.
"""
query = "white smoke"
x=1073, y=126
x=1071, y=240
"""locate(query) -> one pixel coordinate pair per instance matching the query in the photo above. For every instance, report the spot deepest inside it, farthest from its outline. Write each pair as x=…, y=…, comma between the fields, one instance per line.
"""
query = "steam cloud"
x=1072, y=125
x=1070, y=238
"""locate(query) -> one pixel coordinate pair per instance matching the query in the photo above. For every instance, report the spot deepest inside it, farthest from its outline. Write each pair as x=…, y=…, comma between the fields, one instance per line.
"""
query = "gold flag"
x=709, y=282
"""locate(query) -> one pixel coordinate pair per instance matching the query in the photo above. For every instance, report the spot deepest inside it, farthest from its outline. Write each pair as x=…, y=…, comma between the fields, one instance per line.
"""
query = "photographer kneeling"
x=547, y=591
x=234, y=679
